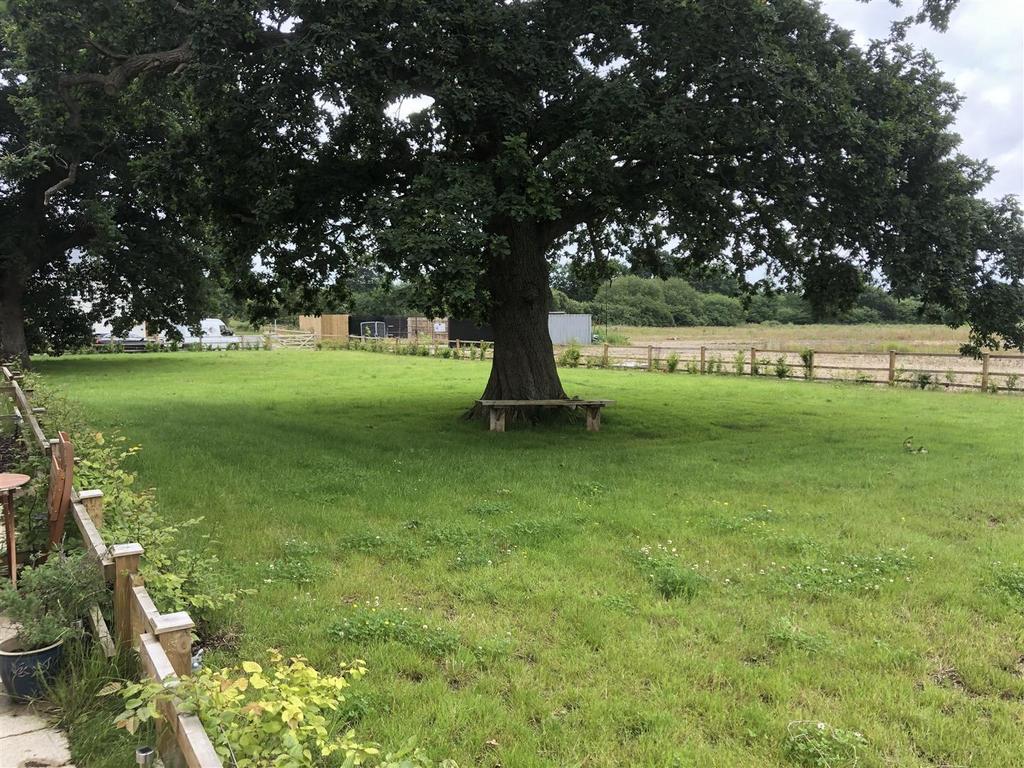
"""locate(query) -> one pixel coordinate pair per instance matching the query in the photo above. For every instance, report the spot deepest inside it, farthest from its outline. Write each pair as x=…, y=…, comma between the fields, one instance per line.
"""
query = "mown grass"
x=724, y=558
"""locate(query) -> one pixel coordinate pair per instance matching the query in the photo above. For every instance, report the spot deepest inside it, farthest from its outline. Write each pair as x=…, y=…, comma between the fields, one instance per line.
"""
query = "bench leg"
x=593, y=419
x=497, y=417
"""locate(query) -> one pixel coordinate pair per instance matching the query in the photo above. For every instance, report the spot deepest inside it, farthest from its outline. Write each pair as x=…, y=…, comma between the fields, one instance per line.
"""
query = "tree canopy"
x=742, y=134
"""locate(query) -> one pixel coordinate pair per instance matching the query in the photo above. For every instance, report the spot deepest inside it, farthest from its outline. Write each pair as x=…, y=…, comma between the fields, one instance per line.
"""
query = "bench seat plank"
x=545, y=403
x=496, y=410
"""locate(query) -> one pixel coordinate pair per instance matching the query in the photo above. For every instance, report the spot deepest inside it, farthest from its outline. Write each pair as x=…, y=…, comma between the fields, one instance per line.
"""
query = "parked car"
x=133, y=340
x=212, y=334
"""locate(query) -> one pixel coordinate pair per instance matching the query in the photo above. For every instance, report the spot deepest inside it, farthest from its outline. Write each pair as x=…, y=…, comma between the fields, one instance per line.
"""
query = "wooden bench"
x=496, y=410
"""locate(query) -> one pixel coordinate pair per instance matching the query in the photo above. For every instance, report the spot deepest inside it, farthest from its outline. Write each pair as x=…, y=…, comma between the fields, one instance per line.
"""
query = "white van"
x=213, y=334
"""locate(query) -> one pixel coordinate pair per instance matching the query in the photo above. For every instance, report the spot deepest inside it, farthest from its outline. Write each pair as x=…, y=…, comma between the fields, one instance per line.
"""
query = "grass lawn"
x=508, y=592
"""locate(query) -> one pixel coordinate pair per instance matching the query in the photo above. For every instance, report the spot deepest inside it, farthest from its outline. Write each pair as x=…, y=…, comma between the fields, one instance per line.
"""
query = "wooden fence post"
x=650, y=357
x=126, y=569
x=702, y=360
x=604, y=356
x=93, y=503
x=174, y=631
x=753, y=361
x=984, y=371
x=892, y=367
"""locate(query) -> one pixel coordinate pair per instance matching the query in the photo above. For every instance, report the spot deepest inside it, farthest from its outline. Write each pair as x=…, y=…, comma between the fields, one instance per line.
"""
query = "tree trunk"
x=523, y=367
x=13, y=345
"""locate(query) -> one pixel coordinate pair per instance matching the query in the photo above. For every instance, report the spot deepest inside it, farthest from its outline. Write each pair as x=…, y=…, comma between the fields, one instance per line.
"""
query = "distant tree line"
x=629, y=299
x=674, y=301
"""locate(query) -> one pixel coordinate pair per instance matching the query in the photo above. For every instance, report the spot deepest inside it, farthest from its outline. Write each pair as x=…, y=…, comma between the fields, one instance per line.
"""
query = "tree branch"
x=67, y=181
x=129, y=68
x=132, y=66
x=105, y=50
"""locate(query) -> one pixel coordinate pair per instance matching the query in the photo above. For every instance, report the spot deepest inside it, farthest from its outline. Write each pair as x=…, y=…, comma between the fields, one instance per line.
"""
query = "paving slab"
x=35, y=749
x=26, y=739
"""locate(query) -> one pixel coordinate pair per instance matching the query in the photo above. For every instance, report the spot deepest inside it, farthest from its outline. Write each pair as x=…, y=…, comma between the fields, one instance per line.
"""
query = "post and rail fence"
x=163, y=640
x=993, y=372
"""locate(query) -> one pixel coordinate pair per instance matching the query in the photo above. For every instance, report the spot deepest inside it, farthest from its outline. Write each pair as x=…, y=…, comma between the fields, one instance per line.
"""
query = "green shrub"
x=807, y=360
x=717, y=309
x=672, y=362
x=51, y=598
x=782, y=368
x=739, y=363
x=570, y=356
x=683, y=301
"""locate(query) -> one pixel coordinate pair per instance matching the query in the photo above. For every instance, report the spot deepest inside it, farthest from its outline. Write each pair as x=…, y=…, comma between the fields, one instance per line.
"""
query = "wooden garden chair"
x=58, y=500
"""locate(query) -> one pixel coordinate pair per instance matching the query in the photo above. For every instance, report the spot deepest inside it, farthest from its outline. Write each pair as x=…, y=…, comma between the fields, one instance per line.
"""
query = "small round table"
x=8, y=483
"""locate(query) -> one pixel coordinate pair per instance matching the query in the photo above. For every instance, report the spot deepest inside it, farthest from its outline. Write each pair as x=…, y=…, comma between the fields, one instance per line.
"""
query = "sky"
x=982, y=52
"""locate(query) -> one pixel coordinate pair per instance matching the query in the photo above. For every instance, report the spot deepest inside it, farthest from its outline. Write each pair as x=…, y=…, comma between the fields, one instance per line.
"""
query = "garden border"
x=162, y=640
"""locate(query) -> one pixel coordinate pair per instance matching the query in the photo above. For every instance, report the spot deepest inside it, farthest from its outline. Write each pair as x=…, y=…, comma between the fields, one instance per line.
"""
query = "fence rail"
x=285, y=337
x=162, y=640
x=992, y=372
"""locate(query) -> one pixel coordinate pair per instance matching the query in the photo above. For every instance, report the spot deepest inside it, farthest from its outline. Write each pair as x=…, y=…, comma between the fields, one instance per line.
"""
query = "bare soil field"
x=835, y=338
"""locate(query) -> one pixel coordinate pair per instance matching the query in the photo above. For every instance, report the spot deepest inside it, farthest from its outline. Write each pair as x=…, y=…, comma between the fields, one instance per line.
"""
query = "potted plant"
x=47, y=608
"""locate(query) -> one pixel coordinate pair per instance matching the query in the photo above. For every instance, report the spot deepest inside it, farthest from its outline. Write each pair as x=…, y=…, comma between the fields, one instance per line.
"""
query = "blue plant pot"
x=24, y=672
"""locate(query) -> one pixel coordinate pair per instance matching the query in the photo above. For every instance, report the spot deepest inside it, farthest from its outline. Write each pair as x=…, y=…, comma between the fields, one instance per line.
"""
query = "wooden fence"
x=991, y=372
x=162, y=640
x=285, y=337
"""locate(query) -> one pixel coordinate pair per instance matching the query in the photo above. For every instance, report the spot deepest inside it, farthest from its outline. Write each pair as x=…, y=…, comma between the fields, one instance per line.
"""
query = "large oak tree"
x=740, y=132
x=746, y=133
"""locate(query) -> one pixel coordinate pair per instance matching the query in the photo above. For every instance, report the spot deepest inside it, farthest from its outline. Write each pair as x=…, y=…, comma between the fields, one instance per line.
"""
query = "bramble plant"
x=672, y=362
x=286, y=716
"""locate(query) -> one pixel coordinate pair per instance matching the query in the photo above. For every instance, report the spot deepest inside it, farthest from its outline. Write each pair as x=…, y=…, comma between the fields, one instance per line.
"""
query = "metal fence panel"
x=566, y=328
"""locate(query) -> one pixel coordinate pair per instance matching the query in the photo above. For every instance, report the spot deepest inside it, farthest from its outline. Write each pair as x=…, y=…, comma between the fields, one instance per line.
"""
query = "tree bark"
x=523, y=367
x=13, y=345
